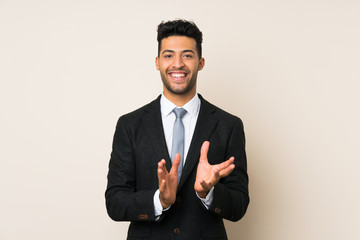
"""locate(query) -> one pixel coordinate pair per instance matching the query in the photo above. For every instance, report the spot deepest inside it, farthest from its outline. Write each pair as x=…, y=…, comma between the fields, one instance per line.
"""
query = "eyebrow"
x=172, y=51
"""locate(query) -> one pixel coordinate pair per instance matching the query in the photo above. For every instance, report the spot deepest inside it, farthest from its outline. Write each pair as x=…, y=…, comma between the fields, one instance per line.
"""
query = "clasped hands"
x=206, y=176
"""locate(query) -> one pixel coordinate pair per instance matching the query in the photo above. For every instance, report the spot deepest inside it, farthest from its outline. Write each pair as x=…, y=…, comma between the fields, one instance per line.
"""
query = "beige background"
x=289, y=69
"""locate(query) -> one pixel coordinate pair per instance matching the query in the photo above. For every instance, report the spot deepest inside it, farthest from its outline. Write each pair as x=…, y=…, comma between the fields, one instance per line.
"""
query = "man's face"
x=178, y=63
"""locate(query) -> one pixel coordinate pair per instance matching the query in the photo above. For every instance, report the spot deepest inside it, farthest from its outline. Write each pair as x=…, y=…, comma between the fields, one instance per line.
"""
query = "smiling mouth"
x=178, y=75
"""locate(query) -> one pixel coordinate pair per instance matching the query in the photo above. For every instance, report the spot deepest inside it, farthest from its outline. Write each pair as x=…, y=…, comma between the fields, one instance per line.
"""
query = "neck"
x=179, y=99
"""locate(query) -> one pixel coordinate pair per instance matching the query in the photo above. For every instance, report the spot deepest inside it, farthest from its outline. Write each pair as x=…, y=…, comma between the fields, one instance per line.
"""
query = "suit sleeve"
x=231, y=196
x=123, y=201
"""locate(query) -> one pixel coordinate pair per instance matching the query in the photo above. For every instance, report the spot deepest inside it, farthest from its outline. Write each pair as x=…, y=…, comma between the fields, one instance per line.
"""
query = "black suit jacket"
x=139, y=144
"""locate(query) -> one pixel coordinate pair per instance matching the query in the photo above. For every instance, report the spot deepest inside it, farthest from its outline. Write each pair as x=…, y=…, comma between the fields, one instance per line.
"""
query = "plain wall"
x=289, y=69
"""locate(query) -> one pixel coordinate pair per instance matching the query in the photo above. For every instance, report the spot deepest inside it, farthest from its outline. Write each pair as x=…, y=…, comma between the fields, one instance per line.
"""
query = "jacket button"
x=143, y=217
x=217, y=210
x=177, y=231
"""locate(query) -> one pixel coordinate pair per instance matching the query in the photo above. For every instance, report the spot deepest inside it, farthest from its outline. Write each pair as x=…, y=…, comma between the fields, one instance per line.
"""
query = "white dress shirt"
x=189, y=120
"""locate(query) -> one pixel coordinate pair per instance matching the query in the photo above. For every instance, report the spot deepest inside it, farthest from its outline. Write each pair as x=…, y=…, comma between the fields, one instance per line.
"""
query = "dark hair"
x=179, y=27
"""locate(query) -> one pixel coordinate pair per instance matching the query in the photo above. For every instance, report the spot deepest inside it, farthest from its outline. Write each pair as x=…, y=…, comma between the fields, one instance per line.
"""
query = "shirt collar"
x=192, y=106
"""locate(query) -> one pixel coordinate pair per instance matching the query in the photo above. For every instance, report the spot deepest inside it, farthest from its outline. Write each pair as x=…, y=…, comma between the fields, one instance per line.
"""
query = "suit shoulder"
x=134, y=118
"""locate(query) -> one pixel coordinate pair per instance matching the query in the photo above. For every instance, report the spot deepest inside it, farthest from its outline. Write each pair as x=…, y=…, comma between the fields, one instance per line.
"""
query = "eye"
x=188, y=56
x=167, y=56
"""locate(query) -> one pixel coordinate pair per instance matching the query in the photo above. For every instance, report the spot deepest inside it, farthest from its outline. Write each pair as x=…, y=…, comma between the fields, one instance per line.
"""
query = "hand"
x=208, y=175
x=168, y=182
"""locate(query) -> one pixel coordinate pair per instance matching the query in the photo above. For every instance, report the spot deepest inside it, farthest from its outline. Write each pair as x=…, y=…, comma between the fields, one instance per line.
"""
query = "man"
x=187, y=195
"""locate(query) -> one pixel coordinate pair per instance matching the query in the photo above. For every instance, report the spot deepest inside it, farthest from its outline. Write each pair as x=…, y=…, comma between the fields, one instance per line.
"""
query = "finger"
x=211, y=179
x=162, y=186
x=204, y=151
x=161, y=171
x=162, y=165
x=175, y=165
x=225, y=172
x=206, y=185
x=215, y=176
x=161, y=175
x=226, y=164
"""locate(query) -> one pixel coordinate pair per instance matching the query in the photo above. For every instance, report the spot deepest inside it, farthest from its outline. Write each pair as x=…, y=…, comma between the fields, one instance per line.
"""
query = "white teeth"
x=177, y=75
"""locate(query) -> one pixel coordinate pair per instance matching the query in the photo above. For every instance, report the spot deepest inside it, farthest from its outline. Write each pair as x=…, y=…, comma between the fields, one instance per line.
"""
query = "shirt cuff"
x=158, y=209
x=208, y=199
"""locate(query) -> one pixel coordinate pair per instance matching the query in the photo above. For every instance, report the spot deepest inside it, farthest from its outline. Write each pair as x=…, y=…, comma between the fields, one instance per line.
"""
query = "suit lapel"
x=154, y=129
x=205, y=125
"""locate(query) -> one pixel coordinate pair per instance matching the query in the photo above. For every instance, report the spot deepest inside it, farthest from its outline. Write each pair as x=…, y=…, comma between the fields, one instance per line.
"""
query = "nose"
x=178, y=62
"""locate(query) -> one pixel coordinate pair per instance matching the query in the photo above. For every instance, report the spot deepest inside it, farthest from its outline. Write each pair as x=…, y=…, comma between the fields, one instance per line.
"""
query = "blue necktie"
x=178, y=138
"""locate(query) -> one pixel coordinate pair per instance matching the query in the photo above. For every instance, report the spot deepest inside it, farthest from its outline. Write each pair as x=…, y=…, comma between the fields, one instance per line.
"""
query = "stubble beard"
x=181, y=91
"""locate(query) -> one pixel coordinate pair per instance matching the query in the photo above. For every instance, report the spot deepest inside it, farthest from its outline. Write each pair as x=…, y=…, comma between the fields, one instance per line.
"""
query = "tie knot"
x=179, y=112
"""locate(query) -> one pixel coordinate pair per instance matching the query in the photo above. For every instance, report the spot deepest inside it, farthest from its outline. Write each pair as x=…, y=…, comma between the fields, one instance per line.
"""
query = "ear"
x=201, y=64
x=157, y=63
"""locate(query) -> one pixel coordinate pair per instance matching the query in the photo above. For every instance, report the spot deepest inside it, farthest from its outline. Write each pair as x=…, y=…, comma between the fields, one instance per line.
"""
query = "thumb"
x=204, y=151
x=176, y=163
